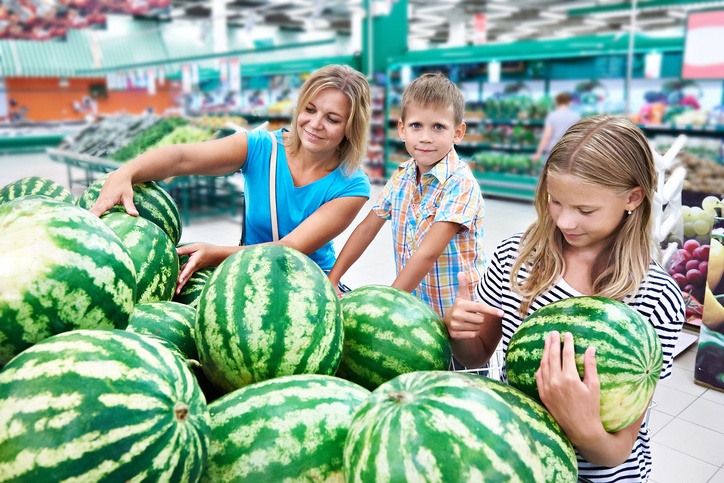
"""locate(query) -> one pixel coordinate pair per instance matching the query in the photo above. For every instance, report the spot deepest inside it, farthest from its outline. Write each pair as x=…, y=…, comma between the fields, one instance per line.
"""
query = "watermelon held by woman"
x=35, y=185
x=388, y=332
x=61, y=268
x=152, y=202
x=438, y=426
x=153, y=253
x=267, y=311
x=101, y=405
x=629, y=357
x=291, y=428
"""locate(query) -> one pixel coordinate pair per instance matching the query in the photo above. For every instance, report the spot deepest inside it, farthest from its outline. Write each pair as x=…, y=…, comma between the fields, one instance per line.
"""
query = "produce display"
x=152, y=202
x=172, y=323
x=148, y=138
x=291, y=427
x=185, y=135
x=101, y=405
x=267, y=311
x=153, y=253
x=108, y=134
x=34, y=185
x=191, y=291
x=388, y=332
x=438, y=426
x=62, y=269
x=628, y=353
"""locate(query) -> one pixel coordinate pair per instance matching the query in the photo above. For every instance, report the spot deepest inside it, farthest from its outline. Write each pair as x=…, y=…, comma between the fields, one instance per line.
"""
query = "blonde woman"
x=319, y=184
x=592, y=237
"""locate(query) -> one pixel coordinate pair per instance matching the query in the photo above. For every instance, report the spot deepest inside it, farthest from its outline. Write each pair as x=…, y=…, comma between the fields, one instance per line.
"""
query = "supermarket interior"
x=87, y=86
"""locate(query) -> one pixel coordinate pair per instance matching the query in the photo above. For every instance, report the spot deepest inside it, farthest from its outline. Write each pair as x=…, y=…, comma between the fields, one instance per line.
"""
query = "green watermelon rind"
x=172, y=322
x=35, y=185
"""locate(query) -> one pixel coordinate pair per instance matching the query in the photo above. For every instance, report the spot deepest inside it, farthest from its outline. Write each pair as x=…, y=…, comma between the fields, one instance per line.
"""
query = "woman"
x=319, y=184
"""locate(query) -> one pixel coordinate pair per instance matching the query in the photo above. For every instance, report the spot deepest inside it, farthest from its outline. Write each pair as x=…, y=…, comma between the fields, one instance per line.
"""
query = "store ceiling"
x=431, y=20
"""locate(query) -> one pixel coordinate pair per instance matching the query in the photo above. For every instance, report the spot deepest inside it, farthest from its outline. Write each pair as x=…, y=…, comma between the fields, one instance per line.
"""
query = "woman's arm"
x=474, y=327
x=576, y=404
x=212, y=158
x=356, y=245
x=422, y=261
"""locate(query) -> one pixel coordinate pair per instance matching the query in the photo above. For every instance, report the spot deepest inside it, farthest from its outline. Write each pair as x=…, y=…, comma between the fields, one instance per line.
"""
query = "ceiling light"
x=654, y=21
x=552, y=15
x=506, y=8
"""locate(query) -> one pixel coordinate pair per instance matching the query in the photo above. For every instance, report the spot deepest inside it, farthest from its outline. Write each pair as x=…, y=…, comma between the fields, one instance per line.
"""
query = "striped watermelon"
x=153, y=254
x=388, y=332
x=171, y=322
x=35, y=185
x=628, y=353
x=438, y=426
x=101, y=405
x=61, y=268
x=552, y=444
x=290, y=428
x=267, y=311
x=152, y=202
x=190, y=293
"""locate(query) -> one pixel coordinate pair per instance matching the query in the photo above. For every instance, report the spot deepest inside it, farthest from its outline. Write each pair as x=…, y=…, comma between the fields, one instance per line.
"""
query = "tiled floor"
x=687, y=423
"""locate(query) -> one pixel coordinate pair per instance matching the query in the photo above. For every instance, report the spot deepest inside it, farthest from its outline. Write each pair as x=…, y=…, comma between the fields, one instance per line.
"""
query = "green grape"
x=689, y=229
x=701, y=227
x=686, y=212
x=710, y=203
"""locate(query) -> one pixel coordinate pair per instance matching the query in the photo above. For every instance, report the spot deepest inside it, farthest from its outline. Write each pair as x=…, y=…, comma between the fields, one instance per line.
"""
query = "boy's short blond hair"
x=434, y=90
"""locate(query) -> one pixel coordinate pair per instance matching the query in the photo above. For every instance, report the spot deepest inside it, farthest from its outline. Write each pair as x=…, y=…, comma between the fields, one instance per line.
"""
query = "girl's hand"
x=466, y=317
x=201, y=255
x=117, y=190
x=574, y=403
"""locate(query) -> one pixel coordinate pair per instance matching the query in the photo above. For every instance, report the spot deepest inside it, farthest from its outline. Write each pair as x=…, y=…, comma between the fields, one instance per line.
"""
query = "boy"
x=433, y=200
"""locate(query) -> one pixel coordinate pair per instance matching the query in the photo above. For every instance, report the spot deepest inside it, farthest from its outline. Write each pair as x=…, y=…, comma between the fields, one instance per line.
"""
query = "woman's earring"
x=629, y=212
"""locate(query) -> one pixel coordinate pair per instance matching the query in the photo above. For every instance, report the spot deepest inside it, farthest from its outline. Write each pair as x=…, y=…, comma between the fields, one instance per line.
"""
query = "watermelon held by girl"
x=388, y=332
x=267, y=311
x=629, y=357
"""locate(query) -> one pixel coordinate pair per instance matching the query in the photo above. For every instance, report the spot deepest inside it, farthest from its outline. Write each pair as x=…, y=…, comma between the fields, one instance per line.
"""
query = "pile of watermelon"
x=257, y=371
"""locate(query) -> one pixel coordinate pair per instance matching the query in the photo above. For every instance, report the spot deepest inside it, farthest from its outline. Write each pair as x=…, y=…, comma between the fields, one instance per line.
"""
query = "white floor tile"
x=714, y=396
x=705, y=413
x=693, y=440
x=671, y=401
x=718, y=477
x=683, y=380
x=658, y=420
x=671, y=466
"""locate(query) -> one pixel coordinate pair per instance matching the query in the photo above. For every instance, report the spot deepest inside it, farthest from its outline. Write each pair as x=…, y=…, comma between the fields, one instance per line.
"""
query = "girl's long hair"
x=609, y=152
x=352, y=84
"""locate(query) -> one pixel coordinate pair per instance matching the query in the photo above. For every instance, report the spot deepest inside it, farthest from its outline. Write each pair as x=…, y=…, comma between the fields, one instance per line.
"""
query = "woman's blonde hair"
x=354, y=85
x=606, y=151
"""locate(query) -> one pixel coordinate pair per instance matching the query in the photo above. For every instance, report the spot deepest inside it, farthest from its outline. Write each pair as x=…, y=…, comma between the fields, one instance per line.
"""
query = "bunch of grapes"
x=698, y=221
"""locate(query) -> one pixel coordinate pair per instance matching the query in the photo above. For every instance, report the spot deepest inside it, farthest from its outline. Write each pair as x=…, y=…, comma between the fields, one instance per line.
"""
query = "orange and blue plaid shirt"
x=448, y=192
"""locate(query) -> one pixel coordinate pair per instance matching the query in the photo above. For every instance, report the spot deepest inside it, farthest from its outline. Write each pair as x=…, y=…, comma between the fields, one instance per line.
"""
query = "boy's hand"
x=465, y=318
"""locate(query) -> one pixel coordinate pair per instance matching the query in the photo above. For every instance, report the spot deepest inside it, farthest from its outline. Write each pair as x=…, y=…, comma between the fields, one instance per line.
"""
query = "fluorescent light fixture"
x=654, y=21
x=553, y=15
x=506, y=8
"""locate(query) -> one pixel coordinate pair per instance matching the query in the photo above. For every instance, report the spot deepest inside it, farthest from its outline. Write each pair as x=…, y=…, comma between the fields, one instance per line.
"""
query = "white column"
x=218, y=25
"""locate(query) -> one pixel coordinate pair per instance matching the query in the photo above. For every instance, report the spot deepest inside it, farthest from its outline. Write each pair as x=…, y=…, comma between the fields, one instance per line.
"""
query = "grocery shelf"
x=508, y=185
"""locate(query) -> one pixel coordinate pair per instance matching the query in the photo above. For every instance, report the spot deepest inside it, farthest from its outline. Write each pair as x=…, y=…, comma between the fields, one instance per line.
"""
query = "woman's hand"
x=466, y=317
x=201, y=255
x=574, y=403
x=117, y=190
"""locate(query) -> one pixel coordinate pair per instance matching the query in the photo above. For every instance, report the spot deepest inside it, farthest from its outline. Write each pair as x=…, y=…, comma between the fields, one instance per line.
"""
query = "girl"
x=593, y=236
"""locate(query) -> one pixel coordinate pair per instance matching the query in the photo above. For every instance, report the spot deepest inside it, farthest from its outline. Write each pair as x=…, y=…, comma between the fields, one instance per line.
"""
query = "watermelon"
x=388, y=332
x=291, y=428
x=101, y=405
x=552, y=444
x=153, y=253
x=438, y=426
x=171, y=322
x=61, y=268
x=628, y=353
x=35, y=185
x=267, y=311
x=191, y=291
x=152, y=202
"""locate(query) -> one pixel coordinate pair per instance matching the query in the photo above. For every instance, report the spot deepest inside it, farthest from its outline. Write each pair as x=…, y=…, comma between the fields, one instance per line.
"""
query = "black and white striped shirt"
x=658, y=299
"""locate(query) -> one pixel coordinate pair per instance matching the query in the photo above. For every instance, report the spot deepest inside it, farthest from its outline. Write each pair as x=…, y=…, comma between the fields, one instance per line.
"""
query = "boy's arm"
x=422, y=261
x=357, y=243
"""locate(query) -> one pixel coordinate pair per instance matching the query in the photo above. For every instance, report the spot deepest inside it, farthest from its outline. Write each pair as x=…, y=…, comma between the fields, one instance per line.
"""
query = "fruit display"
x=438, y=423
x=291, y=427
x=35, y=185
x=628, y=353
x=148, y=138
x=108, y=134
x=388, y=332
x=172, y=323
x=267, y=311
x=101, y=405
x=62, y=269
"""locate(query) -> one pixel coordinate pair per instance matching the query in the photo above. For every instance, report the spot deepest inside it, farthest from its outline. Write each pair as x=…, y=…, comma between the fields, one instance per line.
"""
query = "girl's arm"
x=356, y=245
x=576, y=404
x=422, y=261
x=474, y=327
x=211, y=158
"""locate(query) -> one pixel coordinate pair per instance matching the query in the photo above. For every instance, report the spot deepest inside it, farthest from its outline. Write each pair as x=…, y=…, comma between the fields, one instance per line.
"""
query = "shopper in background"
x=319, y=184
x=556, y=124
x=593, y=236
x=433, y=200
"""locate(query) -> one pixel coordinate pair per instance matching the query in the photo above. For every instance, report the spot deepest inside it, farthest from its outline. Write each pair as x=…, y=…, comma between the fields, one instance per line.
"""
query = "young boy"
x=433, y=200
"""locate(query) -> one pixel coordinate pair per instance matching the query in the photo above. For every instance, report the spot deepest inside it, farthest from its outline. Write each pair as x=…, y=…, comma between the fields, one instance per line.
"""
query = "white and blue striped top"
x=658, y=299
